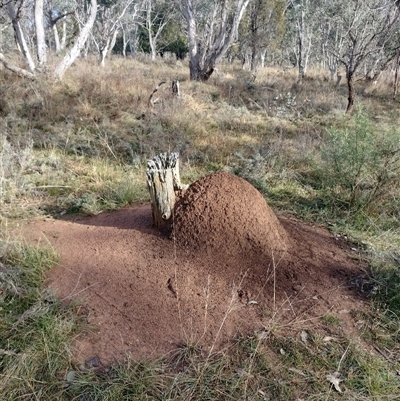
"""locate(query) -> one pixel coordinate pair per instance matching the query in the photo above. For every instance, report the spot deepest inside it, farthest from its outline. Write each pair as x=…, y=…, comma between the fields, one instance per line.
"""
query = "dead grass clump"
x=15, y=159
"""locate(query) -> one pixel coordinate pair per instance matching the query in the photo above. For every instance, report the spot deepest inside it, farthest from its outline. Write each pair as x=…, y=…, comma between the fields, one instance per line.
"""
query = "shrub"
x=361, y=162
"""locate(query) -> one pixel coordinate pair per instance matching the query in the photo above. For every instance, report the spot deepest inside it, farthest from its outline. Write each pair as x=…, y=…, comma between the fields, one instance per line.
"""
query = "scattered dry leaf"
x=334, y=378
x=262, y=335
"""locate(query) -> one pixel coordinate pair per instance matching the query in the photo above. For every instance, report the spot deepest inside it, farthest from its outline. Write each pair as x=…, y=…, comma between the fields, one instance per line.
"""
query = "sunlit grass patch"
x=99, y=185
x=35, y=329
x=56, y=182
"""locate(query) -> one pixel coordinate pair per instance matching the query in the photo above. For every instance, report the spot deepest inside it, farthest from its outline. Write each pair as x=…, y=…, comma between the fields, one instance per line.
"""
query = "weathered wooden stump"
x=163, y=180
x=175, y=88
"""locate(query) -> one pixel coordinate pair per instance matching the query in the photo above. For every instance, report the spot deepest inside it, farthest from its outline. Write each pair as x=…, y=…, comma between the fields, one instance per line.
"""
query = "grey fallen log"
x=163, y=179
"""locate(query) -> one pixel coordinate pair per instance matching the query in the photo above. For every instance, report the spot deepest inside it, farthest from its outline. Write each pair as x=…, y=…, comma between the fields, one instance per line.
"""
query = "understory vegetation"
x=81, y=146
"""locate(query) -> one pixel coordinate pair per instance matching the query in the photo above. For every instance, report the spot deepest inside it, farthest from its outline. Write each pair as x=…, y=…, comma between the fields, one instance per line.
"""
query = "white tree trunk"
x=124, y=42
x=194, y=61
x=103, y=51
x=162, y=20
x=72, y=55
x=40, y=37
x=149, y=28
x=216, y=37
x=262, y=57
x=64, y=35
x=56, y=38
x=19, y=34
x=113, y=41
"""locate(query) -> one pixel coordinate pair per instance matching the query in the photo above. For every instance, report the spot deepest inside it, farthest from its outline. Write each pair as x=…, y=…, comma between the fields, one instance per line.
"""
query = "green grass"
x=83, y=149
x=35, y=328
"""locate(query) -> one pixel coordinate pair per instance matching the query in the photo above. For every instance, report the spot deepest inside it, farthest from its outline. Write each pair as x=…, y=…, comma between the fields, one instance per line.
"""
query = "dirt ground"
x=231, y=267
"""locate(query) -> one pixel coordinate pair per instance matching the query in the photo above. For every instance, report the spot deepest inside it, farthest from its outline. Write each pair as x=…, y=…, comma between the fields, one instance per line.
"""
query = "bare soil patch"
x=230, y=268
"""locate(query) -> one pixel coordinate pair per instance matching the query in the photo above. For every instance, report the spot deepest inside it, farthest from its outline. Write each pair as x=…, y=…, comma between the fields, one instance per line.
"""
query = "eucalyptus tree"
x=303, y=29
x=332, y=37
x=126, y=33
x=15, y=11
x=110, y=15
x=80, y=41
x=369, y=34
x=211, y=29
x=57, y=13
x=156, y=16
x=262, y=29
x=40, y=36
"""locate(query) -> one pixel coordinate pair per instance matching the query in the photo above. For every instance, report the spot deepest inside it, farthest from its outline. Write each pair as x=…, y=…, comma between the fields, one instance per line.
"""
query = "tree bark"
x=40, y=37
x=300, y=39
x=396, y=76
x=262, y=57
x=64, y=35
x=113, y=42
x=103, y=51
x=56, y=38
x=163, y=180
x=194, y=62
x=149, y=28
x=124, y=42
x=72, y=55
x=351, y=92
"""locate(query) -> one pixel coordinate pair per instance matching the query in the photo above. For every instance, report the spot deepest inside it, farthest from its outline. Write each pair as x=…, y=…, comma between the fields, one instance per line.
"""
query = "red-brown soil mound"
x=225, y=215
x=233, y=269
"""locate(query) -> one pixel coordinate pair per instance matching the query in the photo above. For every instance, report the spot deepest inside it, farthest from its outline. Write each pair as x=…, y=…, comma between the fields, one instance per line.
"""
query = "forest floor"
x=280, y=278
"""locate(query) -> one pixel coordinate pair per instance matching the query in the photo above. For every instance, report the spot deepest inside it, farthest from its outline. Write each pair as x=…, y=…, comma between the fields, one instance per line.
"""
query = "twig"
x=84, y=289
x=76, y=286
x=227, y=313
x=343, y=356
x=274, y=267
x=53, y=186
x=291, y=306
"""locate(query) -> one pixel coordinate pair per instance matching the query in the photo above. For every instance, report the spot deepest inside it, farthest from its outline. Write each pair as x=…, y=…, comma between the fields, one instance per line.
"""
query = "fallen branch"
x=19, y=71
x=152, y=101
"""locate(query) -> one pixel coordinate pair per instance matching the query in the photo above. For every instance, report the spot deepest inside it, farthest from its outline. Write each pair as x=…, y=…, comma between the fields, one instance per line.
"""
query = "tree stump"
x=175, y=88
x=163, y=179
